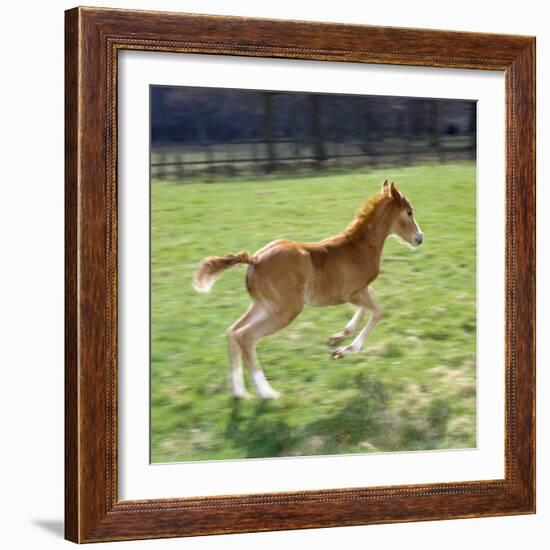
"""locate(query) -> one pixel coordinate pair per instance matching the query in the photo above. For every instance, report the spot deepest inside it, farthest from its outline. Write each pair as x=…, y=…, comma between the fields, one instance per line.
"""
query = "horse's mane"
x=363, y=215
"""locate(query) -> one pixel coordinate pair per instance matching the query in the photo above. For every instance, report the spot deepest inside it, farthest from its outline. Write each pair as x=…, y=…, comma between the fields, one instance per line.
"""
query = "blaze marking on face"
x=405, y=227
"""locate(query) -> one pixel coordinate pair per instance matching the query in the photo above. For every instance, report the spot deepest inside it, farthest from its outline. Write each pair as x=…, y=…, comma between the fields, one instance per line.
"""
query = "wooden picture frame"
x=93, y=511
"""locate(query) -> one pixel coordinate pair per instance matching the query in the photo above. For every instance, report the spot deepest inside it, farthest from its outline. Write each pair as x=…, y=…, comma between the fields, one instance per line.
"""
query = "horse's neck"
x=372, y=231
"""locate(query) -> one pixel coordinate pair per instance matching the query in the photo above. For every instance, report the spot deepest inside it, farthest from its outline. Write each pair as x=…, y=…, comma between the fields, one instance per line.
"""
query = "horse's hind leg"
x=252, y=332
x=349, y=329
x=236, y=378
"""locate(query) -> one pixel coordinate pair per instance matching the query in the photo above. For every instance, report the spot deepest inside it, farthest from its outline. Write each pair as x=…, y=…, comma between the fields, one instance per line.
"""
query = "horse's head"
x=404, y=224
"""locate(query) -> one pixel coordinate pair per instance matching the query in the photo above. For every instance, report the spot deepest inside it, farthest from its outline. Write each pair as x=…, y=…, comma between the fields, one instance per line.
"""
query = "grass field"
x=412, y=388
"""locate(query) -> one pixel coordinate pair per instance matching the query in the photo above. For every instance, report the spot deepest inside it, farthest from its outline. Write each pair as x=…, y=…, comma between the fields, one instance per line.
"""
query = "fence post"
x=408, y=131
x=319, y=152
x=297, y=157
x=180, y=171
x=435, y=127
x=296, y=136
x=268, y=131
x=161, y=173
x=366, y=128
x=254, y=156
x=209, y=159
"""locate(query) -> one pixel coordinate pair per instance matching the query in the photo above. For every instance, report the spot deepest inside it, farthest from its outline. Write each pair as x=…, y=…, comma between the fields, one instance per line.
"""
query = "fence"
x=234, y=158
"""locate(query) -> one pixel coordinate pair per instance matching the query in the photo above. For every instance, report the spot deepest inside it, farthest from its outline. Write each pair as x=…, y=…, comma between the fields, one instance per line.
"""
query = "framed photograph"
x=300, y=275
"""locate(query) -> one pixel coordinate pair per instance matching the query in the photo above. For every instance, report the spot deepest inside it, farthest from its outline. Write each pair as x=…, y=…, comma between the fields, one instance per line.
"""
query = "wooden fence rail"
x=211, y=159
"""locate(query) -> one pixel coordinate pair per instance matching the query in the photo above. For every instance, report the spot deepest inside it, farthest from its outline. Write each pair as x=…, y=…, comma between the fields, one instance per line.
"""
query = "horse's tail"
x=211, y=267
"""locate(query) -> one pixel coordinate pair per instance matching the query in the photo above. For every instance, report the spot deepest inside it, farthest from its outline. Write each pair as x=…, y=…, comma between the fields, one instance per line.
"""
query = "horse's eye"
x=410, y=213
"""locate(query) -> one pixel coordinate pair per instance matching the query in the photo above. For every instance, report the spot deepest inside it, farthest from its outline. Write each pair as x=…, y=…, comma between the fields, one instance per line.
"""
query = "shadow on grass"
x=367, y=422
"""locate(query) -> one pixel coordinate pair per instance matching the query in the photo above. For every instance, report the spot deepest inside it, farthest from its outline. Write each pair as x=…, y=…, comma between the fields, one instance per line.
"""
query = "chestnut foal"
x=284, y=275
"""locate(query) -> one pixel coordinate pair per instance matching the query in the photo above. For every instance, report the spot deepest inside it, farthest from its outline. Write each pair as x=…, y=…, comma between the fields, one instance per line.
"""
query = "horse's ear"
x=394, y=192
x=385, y=188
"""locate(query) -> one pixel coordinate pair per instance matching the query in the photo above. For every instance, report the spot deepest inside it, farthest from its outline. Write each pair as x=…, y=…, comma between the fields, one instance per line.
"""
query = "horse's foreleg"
x=349, y=329
x=366, y=300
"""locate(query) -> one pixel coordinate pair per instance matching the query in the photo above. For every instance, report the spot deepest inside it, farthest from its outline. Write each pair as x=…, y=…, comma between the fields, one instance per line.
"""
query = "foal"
x=285, y=275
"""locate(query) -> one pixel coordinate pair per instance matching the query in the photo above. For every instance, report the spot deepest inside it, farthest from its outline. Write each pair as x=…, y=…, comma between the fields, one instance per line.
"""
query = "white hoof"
x=343, y=351
x=272, y=394
x=264, y=389
x=241, y=394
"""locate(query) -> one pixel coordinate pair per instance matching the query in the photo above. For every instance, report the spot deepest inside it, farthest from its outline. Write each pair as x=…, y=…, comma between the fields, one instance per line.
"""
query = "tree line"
x=189, y=115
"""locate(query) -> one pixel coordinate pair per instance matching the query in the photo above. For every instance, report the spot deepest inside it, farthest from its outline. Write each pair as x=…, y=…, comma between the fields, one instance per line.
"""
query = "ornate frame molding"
x=93, y=38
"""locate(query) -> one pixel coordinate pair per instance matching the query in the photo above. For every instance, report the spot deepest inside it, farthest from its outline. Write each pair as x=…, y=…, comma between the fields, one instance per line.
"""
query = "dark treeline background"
x=198, y=131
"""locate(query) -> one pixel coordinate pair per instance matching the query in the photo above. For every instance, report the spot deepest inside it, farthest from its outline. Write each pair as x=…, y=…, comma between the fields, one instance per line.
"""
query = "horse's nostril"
x=420, y=238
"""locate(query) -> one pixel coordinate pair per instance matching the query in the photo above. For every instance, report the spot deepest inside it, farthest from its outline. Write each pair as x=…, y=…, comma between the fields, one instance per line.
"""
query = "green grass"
x=412, y=388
